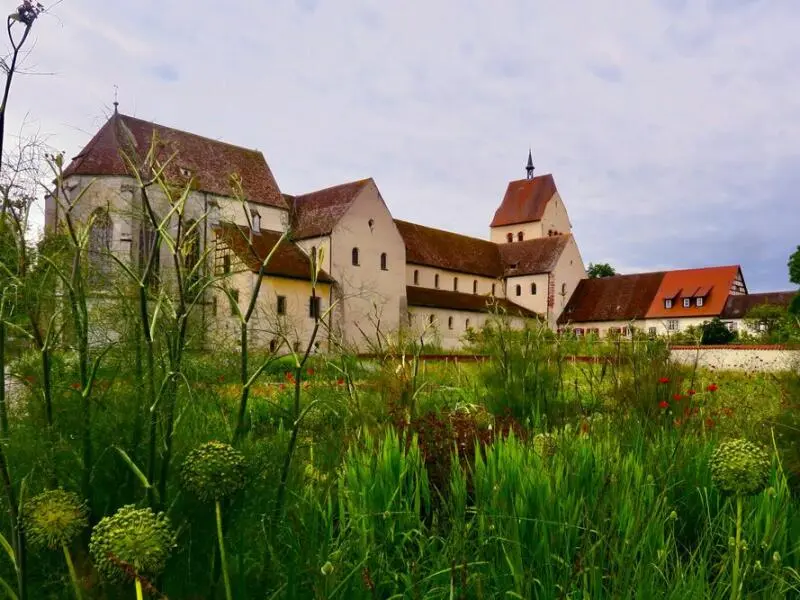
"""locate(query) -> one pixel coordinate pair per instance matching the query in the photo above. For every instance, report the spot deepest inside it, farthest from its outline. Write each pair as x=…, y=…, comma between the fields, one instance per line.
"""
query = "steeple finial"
x=116, y=102
x=529, y=167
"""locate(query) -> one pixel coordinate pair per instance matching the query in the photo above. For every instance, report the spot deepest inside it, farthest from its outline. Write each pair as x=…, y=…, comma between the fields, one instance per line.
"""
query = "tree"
x=716, y=332
x=767, y=319
x=794, y=277
x=600, y=270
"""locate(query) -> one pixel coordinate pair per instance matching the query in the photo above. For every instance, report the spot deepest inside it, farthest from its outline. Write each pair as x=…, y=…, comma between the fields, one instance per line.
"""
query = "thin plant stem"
x=139, y=592
x=735, y=577
x=72, y=575
x=222, y=556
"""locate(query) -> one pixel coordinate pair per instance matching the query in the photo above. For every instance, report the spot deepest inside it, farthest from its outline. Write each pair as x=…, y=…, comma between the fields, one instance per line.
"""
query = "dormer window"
x=687, y=302
x=668, y=303
x=256, y=222
x=699, y=302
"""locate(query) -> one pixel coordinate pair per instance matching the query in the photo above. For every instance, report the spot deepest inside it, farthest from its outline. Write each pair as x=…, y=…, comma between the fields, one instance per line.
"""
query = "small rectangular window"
x=314, y=307
x=226, y=264
x=651, y=331
x=214, y=306
x=234, y=298
x=668, y=303
x=699, y=302
x=672, y=324
x=281, y=308
x=687, y=302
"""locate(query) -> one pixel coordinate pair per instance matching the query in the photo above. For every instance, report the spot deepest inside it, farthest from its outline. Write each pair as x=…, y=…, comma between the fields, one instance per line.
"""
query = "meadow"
x=522, y=476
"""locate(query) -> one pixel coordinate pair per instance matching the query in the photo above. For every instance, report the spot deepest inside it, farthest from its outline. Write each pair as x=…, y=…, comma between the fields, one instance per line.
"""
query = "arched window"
x=533, y=289
x=416, y=276
x=466, y=324
x=563, y=289
x=475, y=286
x=272, y=345
x=355, y=257
x=509, y=237
x=100, y=235
x=449, y=322
x=519, y=290
x=384, y=266
x=436, y=281
x=455, y=284
x=519, y=236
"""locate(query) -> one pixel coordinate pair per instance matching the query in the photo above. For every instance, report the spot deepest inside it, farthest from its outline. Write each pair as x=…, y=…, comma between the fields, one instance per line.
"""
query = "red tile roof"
x=287, y=261
x=431, y=298
x=532, y=257
x=738, y=306
x=211, y=162
x=525, y=201
x=684, y=283
x=316, y=214
x=445, y=250
x=617, y=298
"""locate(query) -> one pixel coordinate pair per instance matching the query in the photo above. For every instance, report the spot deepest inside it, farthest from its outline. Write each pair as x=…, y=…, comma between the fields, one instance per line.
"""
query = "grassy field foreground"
x=523, y=477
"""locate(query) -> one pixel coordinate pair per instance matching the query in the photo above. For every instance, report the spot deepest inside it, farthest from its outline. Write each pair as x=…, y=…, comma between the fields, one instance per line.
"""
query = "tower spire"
x=116, y=100
x=529, y=167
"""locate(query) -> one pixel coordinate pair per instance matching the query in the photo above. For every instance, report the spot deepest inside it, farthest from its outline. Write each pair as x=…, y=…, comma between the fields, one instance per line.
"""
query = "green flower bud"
x=544, y=444
x=776, y=557
x=739, y=467
x=132, y=542
x=673, y=516
x=327, y=569
x=213, y=471
x=54, y=518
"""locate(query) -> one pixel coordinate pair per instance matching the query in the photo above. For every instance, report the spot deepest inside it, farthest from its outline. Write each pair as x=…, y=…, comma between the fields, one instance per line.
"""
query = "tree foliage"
x=600, y=270
x=716, y=332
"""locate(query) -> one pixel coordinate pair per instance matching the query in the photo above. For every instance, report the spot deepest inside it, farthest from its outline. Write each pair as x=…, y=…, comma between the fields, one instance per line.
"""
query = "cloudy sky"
x=672, y=127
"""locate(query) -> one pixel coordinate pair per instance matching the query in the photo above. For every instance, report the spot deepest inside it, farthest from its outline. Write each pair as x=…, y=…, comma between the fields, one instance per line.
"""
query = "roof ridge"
x=186, y=132
x=447, y=231
x=329, y=188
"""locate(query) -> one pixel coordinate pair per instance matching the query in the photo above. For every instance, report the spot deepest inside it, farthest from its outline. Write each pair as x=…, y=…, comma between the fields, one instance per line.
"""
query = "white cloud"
x=668, y=122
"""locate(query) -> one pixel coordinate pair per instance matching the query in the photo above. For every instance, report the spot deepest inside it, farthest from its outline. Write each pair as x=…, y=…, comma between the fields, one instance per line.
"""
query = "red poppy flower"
x=712, y=388
x=677, y=422
x=677, y=397
x=310, y=372
x=76, y=386
x=664, y=380
x=664, y=404
x=710, y=423
x=584, y=427
x=340, y=381
x=691, y=392
x=289, y=377
x=282, y=386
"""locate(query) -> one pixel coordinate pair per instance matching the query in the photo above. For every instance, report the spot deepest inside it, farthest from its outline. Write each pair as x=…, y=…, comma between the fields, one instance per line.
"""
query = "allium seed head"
x=739, y=467
x=132, y=541
x=213, y=471
x=54, y=518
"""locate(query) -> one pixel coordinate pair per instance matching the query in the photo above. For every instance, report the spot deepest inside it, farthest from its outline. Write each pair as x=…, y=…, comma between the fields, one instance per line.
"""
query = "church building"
x=377, y=275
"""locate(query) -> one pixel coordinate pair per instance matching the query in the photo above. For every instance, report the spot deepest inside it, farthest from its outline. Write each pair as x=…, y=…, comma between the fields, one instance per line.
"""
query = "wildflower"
x=664, y=404
x=673, y=516
x=712, y=388
x=327, y=569
x=30, y=379
x=691, y=393
x=677, y=422
x=710, y=423
x=282, y=387
x=213, y=471
x=133, y=542
x=221, y=379
x=677, y=397
x=310, y=371
x=776, y=557
x=54, y=518
x=340, y=381
x=739, y=467
x=664, y=380
x=544, y=444
x=76, y=386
